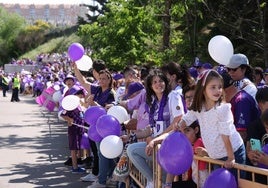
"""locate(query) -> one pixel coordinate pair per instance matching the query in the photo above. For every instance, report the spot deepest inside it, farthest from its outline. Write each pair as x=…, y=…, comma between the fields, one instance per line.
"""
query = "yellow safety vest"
x=16, y=83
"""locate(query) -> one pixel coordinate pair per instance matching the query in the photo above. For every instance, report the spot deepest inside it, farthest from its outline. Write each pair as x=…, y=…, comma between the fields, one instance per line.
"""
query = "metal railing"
x=242, y=183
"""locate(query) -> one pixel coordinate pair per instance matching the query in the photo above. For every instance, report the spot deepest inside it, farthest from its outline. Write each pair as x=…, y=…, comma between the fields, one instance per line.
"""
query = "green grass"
x=59, y=45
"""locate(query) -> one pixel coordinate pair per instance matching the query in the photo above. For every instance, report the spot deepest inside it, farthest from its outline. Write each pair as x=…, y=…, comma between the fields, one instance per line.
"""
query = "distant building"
x=61, y=14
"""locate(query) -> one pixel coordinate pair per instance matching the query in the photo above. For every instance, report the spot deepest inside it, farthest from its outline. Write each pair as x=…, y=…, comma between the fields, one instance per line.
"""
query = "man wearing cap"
x=244, y=107
x=242, y=73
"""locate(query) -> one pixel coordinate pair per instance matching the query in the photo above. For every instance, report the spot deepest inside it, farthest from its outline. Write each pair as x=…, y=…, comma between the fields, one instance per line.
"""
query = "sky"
x=44, y=1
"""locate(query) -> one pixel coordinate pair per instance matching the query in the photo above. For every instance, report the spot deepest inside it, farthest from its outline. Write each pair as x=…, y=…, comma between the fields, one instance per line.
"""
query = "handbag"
x=121, y=171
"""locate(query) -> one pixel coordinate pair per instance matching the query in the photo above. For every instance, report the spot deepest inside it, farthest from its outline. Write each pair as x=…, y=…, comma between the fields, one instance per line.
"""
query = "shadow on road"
x=50, y=146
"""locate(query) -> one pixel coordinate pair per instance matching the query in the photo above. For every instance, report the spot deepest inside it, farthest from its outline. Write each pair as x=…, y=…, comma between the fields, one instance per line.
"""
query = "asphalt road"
x=33, y=147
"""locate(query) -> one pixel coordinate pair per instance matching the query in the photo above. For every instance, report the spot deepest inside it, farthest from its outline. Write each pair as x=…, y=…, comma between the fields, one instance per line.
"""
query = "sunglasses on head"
x=229, y=69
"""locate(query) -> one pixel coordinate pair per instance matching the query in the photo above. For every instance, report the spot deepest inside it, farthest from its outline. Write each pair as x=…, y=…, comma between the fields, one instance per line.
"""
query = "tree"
x=31, y=36
x=10, y=26
x=265, y=21
x=243, y=22
x=123, y=34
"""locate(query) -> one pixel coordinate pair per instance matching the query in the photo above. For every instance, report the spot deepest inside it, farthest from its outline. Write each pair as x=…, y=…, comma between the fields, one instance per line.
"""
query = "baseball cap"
x=118, y=76
x=236, y=60
x=132, y=88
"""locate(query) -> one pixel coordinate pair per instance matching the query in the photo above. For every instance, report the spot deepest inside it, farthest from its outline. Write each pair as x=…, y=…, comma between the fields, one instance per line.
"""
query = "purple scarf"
x=153, y=108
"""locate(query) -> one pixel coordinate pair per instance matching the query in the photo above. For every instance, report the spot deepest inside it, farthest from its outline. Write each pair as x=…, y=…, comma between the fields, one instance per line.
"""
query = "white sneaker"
x=150, y=184
x=89, y=177
x=96, y=184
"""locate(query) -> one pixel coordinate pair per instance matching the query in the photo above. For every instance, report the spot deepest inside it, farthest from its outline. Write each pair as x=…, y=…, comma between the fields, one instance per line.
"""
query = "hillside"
x=57, y=44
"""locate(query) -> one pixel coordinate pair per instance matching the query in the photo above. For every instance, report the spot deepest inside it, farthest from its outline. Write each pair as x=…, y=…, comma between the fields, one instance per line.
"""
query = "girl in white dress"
x=218, y=132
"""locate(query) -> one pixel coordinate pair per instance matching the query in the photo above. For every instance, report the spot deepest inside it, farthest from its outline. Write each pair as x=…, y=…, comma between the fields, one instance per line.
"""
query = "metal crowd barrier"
x=242, y=183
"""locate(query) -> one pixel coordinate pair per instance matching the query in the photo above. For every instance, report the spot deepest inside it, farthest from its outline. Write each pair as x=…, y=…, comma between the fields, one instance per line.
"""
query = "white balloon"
x=220, y=49
x=84, y=63
x=70, y=102
x=119, y=112
x=111, y=146
x=57, y=96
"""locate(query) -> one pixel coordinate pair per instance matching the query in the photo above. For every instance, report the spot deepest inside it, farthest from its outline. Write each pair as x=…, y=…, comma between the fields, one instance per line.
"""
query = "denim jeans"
x=137, y=155
x=106, y=166
x=240, y=158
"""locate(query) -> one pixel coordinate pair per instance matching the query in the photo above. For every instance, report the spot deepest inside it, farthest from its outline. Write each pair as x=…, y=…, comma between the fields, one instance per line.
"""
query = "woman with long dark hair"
x=157, y=90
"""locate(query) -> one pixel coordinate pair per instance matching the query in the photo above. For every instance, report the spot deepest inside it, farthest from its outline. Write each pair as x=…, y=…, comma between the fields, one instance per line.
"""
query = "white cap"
x=236, y=60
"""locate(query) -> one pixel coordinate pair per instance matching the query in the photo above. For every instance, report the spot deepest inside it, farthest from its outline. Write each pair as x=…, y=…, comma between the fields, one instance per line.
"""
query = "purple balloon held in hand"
x=76, y=51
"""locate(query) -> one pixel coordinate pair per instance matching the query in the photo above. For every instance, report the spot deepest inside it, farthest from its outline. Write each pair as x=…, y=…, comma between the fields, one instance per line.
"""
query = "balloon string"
x=80, y=126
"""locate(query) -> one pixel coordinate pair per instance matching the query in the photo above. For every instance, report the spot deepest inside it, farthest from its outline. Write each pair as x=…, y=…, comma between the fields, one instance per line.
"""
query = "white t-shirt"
x=120, y=92
x=247, y=86
x=214, y=123
x=175, y=104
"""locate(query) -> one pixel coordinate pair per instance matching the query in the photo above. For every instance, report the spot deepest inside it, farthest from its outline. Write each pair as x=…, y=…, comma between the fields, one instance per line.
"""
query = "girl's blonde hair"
x=202, y=80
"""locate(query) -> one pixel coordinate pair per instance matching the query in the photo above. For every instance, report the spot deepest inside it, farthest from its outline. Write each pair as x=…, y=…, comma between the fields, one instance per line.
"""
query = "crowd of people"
x=220, y=109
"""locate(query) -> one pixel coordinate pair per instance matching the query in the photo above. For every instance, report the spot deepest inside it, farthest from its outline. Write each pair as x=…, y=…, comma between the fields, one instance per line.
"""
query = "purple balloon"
x=108, y=125
x=175, y=155
x=85, y=141
x=220, y=178
x=93, y=113
x=76, y=51
x=93, y=134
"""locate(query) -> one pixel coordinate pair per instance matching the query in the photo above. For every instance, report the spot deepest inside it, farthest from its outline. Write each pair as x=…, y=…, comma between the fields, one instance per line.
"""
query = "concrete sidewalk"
x=33, y=147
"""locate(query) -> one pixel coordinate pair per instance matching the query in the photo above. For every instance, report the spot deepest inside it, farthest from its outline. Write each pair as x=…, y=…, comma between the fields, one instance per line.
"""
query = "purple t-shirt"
x=138, y=103
x=102, y=98
x=245, y=110
x=77, y=116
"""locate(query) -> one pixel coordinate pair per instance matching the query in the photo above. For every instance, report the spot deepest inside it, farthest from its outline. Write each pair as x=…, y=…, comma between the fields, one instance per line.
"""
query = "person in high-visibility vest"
x=5, y=84
x=15, y=87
